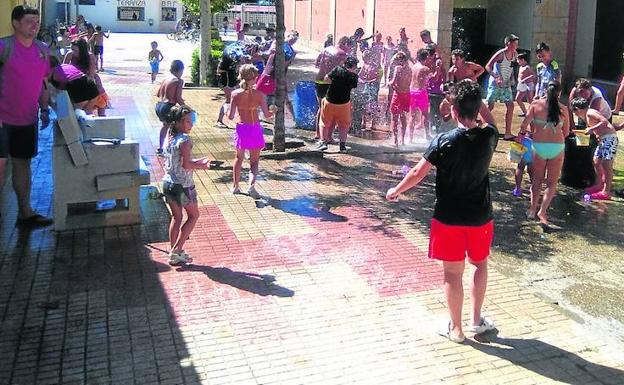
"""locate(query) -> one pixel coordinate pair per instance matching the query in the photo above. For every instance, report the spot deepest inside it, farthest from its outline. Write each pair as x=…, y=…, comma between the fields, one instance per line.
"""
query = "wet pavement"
x=318, y=281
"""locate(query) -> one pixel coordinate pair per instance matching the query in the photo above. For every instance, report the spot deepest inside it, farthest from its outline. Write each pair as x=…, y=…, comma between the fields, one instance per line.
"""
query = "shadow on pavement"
x=548, y=360
x=261, y=284
x=305, y=206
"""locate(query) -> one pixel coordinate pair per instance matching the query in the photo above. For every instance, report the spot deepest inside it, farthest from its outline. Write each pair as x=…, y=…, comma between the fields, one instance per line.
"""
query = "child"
x=525, y=163
x=329, y=40
x=606, y=150
x=97, y=40
x=170, y=94
x=419, y=97
x=178, y=184
x=81, y=89
x=526, y=83
x=389, y=50
x=400, y=103
x=369, y=77
x=249, y=133
x=462, y=224
x=377, y=47
x=154, y=57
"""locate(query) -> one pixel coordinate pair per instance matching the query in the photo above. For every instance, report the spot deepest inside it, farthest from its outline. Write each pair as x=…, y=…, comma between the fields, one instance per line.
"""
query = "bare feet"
x=543, y=218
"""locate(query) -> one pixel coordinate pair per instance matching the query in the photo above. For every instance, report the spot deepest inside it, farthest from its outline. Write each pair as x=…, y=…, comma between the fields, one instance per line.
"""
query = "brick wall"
x=349, y=16
x=321, y=21
x=390, y=15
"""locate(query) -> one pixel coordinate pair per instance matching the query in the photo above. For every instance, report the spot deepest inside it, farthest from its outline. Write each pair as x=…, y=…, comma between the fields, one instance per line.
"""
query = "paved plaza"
x=320, y=281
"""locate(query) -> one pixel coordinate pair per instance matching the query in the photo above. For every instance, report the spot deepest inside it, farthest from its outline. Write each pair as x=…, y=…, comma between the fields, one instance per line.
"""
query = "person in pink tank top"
x=23, y=99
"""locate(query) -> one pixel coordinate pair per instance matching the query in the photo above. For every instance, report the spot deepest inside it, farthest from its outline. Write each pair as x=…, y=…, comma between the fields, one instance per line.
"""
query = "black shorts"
x=183, y=196
x=18, y=141
x=98, y=50
x=82, y=89
x=227, y=79
x=163, y=109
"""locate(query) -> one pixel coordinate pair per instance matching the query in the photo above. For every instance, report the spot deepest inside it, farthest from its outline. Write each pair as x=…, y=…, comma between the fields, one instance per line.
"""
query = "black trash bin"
x=578, y=165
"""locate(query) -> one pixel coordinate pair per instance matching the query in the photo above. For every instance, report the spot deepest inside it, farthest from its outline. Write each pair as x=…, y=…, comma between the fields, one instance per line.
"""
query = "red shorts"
x=454, y=243
x=400, y=102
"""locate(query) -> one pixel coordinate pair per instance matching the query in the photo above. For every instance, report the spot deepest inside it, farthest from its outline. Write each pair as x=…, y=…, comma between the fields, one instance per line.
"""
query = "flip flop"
x=485, y=326
x=445, y=331
x=509, y=138
x=600, y=196
x=35, y=220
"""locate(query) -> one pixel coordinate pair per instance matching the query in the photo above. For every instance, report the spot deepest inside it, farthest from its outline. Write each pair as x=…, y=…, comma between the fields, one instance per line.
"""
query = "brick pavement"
x=320, y=281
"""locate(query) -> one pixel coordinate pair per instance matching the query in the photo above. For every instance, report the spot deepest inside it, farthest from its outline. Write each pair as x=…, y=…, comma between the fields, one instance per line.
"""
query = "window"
x=131, y=13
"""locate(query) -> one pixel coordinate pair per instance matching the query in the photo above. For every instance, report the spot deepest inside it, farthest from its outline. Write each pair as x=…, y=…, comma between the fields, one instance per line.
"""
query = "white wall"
x=104, y=13
x=584, y=45
x=510, y=16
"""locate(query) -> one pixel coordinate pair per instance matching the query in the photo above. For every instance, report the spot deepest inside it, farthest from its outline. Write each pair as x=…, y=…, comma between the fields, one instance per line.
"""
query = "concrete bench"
x=97, y=171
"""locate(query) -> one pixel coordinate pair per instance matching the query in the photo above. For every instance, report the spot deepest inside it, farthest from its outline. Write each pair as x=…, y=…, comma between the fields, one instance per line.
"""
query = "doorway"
x=469, y=33
x=608, y=42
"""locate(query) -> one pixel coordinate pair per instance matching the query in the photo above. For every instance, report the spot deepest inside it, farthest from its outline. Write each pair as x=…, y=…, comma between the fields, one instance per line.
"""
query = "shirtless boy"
x=606, y=150
x=419, y=97
x=526, y=83
x=170, y=94
x=369, y=79
x=154, y=57
x=400, y=103
x=462, y=69
x=97, y=41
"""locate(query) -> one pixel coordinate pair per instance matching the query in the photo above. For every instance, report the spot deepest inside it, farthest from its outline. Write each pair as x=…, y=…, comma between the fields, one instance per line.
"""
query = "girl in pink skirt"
x=249, y=134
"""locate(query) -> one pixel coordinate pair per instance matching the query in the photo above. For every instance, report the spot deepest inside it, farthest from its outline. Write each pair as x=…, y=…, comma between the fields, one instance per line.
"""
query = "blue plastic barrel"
x=305, y=104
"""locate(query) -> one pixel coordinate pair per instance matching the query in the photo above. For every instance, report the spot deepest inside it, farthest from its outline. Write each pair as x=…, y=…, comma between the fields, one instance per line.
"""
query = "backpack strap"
x=7, y=49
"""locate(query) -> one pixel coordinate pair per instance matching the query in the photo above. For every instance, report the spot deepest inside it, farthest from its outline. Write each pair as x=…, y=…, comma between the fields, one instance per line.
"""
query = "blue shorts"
x=155, y=64
x=501, y=94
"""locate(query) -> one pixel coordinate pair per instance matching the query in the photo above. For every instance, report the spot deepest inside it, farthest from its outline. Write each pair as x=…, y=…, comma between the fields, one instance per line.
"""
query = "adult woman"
x=550, y=126
x=249, y=133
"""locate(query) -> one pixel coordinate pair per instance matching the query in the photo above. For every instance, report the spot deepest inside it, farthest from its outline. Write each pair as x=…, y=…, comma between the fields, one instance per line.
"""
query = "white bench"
x=97, y=171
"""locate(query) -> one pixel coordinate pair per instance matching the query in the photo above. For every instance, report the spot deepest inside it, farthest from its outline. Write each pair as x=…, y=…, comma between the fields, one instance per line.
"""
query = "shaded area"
x=260, y=284
x=546, y=360
x=318, y=206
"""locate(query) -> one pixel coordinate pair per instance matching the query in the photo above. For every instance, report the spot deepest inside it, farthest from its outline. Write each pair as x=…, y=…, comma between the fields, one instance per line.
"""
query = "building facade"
x=585, y=35
x=119, y=15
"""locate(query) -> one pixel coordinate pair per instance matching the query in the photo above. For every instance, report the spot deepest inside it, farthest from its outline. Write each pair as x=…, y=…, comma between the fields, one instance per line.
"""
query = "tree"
x=206, y=42
x=193, y=6
x=279, y=132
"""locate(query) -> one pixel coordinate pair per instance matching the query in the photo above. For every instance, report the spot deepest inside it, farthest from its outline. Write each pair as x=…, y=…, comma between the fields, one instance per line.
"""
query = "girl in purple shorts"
x=249, y=133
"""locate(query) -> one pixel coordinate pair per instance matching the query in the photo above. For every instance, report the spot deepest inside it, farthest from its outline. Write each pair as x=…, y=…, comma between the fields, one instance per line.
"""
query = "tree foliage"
x=215, y=6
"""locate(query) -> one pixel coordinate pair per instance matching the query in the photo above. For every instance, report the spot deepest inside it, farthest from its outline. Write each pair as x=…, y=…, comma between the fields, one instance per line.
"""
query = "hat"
x=511, y=37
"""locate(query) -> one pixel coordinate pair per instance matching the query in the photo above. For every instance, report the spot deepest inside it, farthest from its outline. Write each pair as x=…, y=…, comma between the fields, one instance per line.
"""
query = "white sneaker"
x=253, y=192
x=486, y=325
x=177, y=259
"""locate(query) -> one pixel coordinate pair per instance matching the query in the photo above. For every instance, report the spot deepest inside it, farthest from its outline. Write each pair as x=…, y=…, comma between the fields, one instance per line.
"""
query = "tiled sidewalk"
x=320, y=281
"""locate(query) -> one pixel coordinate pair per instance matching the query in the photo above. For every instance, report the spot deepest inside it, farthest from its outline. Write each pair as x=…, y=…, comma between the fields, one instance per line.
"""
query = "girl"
x=549, y=128
x=81, y=58
x=178, y=185
x=389, y=50
x=248, y=135
x=170, y=94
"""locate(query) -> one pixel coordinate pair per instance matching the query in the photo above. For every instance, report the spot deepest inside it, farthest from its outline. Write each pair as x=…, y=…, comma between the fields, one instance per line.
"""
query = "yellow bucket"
x=516, y=152
x=582, y=139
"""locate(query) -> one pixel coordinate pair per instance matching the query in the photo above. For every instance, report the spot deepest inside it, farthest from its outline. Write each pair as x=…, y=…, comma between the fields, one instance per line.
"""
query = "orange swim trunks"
x=400, y=102
x=101, y=101
x=338, y=115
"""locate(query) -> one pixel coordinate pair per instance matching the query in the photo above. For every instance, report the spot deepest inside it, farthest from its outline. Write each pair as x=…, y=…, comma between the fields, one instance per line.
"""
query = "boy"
x=462, y=222
x=526, y=86
x=97, y=40
x=155, y=57
x=419, y=97
x=547, y=70
x=400, y=102
x=606, y=150
x=500, y=68
x=336, y=106
x=462, y=69
x=369, y=78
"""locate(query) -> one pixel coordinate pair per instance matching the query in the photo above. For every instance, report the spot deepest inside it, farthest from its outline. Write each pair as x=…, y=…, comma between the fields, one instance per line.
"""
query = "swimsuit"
x=548, y=150
x=249, y=136
x=400, y=102
x=162, y=110
x=607, y=148
x=419, y=99
x=524, y=87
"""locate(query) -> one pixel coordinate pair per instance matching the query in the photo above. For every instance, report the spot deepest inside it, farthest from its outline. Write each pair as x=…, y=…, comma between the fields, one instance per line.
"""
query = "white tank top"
x=604, y=108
